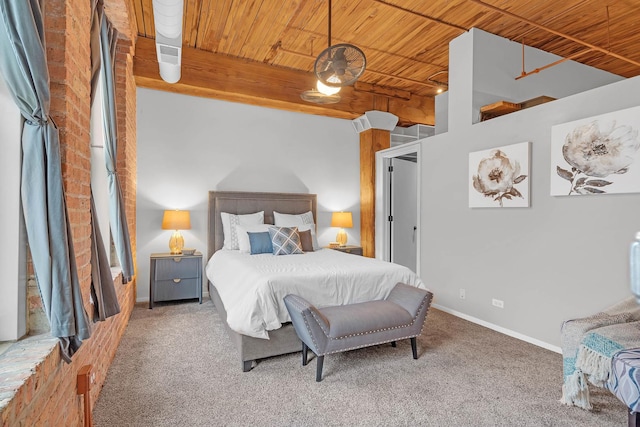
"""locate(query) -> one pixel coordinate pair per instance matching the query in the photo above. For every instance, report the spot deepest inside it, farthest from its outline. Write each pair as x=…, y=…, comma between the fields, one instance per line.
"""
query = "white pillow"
x=288, y=220
x=303, y=221
x=231, y=221
x=243, y=238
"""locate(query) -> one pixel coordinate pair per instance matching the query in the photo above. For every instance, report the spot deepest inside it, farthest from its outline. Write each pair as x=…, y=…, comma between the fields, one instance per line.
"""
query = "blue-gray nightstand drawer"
x=177, y=268
x=175, y=289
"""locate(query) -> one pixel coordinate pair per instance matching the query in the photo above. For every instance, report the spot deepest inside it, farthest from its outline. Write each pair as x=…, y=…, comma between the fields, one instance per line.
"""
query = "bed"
x=256, y=319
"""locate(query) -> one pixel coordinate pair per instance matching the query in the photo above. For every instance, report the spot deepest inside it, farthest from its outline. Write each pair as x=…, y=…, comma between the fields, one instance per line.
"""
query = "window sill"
x=21, y=362
x=4, y=346
x=27, y=362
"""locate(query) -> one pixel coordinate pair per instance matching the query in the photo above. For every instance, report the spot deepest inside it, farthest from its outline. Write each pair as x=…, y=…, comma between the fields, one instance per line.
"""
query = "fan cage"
x=355, y=64
x=317, y=97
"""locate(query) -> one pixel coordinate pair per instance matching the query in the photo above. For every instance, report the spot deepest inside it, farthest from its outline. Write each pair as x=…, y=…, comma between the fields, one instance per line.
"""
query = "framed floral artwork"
x=597, y=155
x=499, y=177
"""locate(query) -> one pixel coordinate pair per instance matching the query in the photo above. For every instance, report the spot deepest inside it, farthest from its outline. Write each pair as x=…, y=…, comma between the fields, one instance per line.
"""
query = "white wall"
x=188, y=146
x=564, y=257
x=498, y=61
x=13, y=291
x=442, y=113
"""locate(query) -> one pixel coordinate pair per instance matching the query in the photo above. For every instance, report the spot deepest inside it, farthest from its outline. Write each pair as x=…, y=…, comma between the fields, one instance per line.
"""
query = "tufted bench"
x=625, y=381
x=346, y=327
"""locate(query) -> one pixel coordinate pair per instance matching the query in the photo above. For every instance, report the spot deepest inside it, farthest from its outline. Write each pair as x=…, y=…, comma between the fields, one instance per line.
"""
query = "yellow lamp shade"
x=342, y=220
x=176, y=220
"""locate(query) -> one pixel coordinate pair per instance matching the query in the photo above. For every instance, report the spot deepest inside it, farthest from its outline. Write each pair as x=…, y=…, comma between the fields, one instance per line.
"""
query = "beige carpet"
x=176, y=367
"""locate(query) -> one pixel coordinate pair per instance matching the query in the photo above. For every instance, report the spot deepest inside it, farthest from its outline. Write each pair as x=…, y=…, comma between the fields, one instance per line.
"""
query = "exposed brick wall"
x=48, y=393
x=70, y=58
x=126, y=108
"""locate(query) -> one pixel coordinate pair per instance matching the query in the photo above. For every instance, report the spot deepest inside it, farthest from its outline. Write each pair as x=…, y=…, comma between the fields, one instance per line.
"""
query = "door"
x=407, y=195
x=403, y=210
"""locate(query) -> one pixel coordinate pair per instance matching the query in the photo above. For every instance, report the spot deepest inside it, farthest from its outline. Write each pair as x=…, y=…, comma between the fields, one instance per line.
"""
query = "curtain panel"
x=117, y=216
x=103, y=293
x=24, y=66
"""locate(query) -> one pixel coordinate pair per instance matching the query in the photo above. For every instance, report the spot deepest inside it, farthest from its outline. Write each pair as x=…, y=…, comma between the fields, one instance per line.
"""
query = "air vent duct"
x=167, y=16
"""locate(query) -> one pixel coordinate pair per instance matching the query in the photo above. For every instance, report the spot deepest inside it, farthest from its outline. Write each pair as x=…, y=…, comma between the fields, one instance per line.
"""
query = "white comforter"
x=252, y=287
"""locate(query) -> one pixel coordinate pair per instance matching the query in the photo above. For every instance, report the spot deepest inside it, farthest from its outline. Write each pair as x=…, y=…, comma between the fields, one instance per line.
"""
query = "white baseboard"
x=500, y=329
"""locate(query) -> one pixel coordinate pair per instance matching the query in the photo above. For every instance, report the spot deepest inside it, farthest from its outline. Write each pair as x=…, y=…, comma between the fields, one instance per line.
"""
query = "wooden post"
x=375, y=135
x=84, y=388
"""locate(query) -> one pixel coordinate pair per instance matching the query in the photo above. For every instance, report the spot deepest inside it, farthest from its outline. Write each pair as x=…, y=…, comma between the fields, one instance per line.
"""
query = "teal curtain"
x=117, y=216
x=103, y=292
x=23, y=63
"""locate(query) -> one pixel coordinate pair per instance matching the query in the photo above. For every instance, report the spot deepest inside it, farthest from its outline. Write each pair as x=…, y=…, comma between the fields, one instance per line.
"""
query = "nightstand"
x=355, y=250
x=175, y=277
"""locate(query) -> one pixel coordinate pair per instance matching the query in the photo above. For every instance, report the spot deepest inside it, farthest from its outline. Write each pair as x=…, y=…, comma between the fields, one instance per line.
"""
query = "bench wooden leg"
x=393, y=343
x=304, y=354
x=414, y=348
x=320, y=361
x=634, y=419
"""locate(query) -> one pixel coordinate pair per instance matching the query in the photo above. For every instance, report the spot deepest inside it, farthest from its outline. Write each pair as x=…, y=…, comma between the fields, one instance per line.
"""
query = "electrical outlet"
x=93, y=377
x=498, y=303
x=463, y=294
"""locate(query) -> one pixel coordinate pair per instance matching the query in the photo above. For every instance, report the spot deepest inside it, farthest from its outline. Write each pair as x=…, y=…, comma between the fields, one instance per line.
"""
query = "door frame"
x=382, y=205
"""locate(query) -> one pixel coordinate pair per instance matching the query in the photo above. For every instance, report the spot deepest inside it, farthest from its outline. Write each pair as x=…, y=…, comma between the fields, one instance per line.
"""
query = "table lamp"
x=342, y=220
x=176, y=220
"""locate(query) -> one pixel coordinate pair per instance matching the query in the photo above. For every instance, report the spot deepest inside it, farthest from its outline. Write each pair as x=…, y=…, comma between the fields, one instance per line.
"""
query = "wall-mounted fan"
x=341, y=64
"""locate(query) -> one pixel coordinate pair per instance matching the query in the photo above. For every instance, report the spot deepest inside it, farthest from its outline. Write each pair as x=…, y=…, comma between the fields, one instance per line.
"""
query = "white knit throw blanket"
x=588, y=345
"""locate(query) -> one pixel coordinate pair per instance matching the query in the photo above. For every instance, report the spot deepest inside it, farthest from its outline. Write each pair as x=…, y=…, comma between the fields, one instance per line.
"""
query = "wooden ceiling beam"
x=361, y=86
x=211, y=75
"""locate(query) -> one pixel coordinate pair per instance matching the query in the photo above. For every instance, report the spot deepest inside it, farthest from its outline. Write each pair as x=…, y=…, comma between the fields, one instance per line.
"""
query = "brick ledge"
x=26, y=366
x=21, y=365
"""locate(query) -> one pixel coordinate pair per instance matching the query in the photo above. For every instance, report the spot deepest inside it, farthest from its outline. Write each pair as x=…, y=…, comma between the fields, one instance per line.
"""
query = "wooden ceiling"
x=263, y=51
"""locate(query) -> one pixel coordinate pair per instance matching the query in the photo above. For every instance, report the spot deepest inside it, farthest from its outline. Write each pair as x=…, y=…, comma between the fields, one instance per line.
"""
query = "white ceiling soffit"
x=167, y=16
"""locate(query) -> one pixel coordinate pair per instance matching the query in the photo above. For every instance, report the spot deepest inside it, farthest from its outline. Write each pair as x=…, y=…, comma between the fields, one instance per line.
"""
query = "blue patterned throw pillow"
x=285, y=240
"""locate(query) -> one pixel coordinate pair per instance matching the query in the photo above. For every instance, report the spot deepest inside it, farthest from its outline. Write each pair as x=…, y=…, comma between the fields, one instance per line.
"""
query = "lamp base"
x=176, y=243
x=341, y=238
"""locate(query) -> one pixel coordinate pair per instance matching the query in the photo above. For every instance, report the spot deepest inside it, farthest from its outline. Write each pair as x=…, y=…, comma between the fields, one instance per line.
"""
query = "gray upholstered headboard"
x=240, y=202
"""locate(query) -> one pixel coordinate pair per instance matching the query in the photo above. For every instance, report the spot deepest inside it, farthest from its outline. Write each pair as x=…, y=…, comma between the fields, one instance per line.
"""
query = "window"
x=99, y=182
x=13, y=263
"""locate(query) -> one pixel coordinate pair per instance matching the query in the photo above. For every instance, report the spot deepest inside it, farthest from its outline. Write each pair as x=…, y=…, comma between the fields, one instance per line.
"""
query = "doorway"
x=398, y=205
